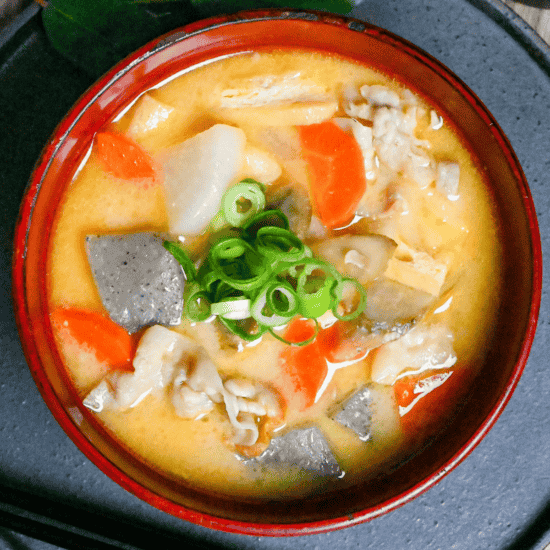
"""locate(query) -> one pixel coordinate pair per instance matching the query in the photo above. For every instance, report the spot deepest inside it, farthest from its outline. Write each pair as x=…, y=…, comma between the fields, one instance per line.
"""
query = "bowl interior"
x=209, y=40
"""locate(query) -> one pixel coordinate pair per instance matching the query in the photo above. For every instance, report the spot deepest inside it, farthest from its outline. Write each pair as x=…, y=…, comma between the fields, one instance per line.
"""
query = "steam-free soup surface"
x=422, y=221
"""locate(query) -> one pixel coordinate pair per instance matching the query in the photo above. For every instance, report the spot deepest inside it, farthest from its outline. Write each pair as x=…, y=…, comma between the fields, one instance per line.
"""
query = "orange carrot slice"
x=336, y=169
x=123, y=157
x=304, y=368
x=96, y=333
x=426, y=401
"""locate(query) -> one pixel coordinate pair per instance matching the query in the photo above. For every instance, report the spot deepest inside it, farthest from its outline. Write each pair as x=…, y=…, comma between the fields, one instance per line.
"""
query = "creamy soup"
x=385, y=263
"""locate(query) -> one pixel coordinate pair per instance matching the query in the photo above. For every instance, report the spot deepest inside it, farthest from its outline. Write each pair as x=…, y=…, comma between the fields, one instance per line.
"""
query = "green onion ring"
x=196, y=303
x=235, y=308
x=267, y=218
x=304, y=343
x=233, y=327
x=279, y=317
x=338, y=290
x=279, y=244
x=246, y=190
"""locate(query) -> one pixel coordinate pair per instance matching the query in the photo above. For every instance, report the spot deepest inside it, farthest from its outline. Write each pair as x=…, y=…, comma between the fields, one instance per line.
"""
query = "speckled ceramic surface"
x=499, y=497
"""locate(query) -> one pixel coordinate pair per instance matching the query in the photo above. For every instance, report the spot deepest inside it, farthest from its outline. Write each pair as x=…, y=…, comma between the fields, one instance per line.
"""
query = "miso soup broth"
x=316, y=348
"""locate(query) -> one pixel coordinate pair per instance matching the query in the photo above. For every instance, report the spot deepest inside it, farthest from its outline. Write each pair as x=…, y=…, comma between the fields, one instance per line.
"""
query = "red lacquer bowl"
x=350, y=39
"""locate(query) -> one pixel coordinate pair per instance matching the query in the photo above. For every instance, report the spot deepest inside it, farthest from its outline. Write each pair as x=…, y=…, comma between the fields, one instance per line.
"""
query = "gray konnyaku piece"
x=139, y=281
x=356, y=413
x=305, y=448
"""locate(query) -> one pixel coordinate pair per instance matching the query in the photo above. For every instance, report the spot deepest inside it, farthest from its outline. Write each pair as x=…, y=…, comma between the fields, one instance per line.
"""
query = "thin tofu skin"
x=311, y=350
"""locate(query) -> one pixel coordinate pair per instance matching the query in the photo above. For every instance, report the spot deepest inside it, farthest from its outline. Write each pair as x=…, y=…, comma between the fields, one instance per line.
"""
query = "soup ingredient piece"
x=416, y=269
x=363, y=257
x=422, y=349
x=94, y=332
x=196, y=174
x=411, y=389
x=272, y=89
x=261, y=165
x=448, y=176
x=303, y=448
x=234, y=309
x=363, y=136
x=356, y=413
x=122, y=157
x=148, y=116
x=297, y=114
x=337, y=172
x=349, y=340
x=139, y=281
x=159, y=351
x=381, y=96
x=293, y=201
x=419, y=396
x=242, y=202
x=191, y=404
x=304, y=368
x=390, y=302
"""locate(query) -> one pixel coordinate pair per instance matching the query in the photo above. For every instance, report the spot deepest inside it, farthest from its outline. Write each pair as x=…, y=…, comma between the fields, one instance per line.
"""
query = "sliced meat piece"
x=305, y=448
x=140, y=283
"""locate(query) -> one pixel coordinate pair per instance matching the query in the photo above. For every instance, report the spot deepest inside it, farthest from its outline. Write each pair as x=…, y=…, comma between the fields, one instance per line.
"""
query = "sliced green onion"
x=338, y=291
x=317, y=303
x=267, y=218
x=242, y=202
x=246, y=330
x=182, y=258
x=258, y=277
x=275, y=315
x=196, y=303
x=235, y=308
x=238, y=264
x=218, y=222
x=303, y=343
x=278, y=244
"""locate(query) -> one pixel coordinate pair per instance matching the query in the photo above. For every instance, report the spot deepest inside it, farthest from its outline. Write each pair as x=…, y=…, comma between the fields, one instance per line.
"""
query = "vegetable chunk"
x=110, y=343
x=336, y=169
x=304, y=448
x=140, y=283
x=196, y=174
x=124, y=158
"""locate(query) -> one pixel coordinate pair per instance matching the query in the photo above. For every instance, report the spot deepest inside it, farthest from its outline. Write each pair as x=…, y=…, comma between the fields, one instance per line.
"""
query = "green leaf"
x=96, y=34
x=207, y=8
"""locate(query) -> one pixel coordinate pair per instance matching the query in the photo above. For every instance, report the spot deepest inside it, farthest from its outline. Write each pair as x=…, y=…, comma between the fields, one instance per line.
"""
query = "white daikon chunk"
x=196, y=174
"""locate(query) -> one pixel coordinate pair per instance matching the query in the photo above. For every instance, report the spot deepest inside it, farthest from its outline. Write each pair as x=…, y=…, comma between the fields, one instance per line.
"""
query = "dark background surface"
x=498, y=498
